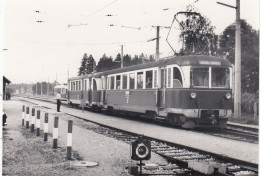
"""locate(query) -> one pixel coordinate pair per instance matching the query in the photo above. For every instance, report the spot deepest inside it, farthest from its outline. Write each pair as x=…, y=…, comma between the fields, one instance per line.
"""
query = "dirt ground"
x=26, y=154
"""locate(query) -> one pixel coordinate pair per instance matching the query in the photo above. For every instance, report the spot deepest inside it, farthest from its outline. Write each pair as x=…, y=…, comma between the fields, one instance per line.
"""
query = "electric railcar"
x=63, y=88
x=188, y=91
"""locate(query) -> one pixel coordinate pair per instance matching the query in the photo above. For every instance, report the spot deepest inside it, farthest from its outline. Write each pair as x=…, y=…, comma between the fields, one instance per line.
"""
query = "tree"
x=196, y=33
x=249, y=54
x=88, y=65
x=104, y=63
x=82, y=68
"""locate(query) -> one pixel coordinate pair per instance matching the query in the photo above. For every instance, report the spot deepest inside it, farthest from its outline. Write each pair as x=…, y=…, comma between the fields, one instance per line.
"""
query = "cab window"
x=177, y=79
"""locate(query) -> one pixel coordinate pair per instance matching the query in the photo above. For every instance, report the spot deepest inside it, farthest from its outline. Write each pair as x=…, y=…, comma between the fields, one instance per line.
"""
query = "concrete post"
x=55, y=132
x=69, y=139
x=23, y=115
x=33, y=120
x=27, y=117
x=46, y=127
x=38, y=123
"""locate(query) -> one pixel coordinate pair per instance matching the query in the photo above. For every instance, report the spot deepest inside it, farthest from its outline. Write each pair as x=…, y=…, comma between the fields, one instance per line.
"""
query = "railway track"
x=181, y=159
x=233, y=131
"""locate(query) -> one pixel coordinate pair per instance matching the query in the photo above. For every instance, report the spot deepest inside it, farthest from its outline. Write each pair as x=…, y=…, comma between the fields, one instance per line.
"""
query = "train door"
x=90, y=91
x=162, y=88
x=103, y=91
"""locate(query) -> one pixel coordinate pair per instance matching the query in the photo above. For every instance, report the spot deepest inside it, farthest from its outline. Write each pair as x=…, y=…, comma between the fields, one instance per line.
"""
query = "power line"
x=100, y=9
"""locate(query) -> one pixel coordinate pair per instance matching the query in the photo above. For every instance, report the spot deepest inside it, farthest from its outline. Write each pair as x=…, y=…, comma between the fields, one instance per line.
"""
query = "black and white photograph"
x=129, y=87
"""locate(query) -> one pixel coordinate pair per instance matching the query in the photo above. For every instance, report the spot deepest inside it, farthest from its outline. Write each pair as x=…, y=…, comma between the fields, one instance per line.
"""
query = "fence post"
x=55, y=132
x=38, y=123
x=23, y=115
x=69, y=139
x=27, y=116
x=33, y=120
x=46, y=126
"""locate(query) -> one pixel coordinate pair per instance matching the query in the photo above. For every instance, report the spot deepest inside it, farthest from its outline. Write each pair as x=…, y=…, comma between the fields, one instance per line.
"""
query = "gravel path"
x=26, y=154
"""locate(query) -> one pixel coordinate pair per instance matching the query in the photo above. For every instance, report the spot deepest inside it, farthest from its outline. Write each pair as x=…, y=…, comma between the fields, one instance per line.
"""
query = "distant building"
x=6, y=95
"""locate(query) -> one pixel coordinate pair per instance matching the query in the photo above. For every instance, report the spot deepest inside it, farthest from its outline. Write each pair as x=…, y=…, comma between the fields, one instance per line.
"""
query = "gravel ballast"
x=26, y=154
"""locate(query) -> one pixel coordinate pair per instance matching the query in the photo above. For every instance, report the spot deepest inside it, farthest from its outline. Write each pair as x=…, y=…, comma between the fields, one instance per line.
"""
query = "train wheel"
x=222, y=124
x=173, y=119
x=190, y=124
x=150, y=115
x=109, y=110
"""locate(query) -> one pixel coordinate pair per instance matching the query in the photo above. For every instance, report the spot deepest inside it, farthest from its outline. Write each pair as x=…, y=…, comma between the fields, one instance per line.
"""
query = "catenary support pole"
x=237, y=98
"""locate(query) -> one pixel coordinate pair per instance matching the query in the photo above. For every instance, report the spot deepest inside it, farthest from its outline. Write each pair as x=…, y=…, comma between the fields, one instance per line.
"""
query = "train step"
x=159, y=118
x=163, y=113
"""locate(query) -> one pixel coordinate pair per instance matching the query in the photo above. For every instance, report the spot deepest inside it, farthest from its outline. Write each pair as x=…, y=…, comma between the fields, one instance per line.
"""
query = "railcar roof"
x=192, y=60
x=61, y=86
x=81, y=77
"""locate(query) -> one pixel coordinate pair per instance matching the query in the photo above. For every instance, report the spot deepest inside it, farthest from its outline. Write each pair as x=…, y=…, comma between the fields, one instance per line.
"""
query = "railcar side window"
x=124, y=81
x=140, y=80
x=199, y=77
x=177, y=79
x=94, y=84
x=118, y=81
x=131, y=81
x=77, y=85
x=149, y=79
x=220, y=77
x=155, y=79
x=169, y=77
x=162, y=78
x=112, y=82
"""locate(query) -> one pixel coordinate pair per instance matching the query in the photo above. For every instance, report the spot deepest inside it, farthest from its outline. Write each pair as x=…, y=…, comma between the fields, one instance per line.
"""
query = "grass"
x=246, y=118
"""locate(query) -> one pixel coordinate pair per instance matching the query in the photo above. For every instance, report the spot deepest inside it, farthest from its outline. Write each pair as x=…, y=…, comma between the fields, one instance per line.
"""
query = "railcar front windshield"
x=200, y=77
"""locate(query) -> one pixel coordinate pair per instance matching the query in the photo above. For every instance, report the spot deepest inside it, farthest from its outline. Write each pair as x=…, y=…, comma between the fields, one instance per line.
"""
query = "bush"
x=247, y=102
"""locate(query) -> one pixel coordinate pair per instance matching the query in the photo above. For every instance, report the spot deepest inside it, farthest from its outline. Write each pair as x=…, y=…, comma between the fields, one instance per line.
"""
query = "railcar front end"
x=205, y=100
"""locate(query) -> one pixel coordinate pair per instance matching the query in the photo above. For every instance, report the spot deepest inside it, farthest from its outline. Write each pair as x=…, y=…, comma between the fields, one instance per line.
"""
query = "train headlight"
x=193, y=95
x=228, y=96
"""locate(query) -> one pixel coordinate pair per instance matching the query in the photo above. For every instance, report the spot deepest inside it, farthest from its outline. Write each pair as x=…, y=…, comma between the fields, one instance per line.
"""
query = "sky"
x=53, y=49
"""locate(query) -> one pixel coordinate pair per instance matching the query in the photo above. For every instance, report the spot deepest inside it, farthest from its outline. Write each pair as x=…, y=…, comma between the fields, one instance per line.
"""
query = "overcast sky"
x=40, y=51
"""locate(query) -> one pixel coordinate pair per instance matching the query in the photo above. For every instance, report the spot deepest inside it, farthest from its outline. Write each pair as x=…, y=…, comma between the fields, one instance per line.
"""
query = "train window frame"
x=132, y=86
x=118, y=82
x=112, y=83
x=103, y=82
x=162, y=77
x=180, y=81
x=124, y=82
x=140, y=79
x=209, y=77
x=227, y=79
x=155, y=78
x=169, y=77
x=149, y=85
